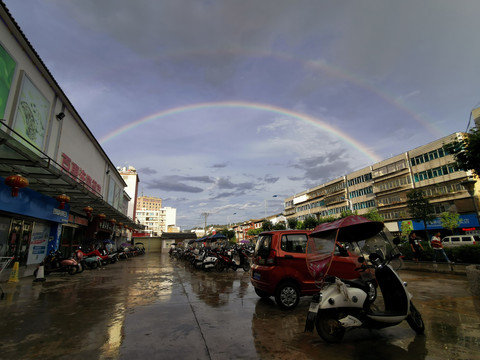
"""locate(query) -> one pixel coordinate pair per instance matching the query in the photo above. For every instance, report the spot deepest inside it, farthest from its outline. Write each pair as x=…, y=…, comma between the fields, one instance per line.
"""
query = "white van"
x=459, y=240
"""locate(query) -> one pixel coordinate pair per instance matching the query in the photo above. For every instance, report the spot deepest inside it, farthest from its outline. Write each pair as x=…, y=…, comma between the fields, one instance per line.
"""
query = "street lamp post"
x=273, y=196
x=228, y=220
x=469, y=185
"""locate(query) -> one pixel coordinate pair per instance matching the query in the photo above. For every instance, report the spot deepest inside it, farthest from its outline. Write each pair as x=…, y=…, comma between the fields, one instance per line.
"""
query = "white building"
x=130, y=176
x=159, y=221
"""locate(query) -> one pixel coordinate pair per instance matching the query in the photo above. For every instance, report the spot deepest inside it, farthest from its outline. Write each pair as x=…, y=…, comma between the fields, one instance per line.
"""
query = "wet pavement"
x=152, y=307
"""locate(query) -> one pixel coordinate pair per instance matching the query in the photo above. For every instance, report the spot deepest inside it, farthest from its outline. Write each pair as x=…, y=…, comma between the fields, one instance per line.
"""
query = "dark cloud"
x=166, y=185
x=224, y=195
x=322, y=168
x=202, y=179
x=177, y=183
x=219, y=166
x=225, y=183
x=271, y=179
x=146, y=171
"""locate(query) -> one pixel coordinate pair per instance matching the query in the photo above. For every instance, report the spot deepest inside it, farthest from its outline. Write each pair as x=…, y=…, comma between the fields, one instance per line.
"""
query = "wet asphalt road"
x=152, y=307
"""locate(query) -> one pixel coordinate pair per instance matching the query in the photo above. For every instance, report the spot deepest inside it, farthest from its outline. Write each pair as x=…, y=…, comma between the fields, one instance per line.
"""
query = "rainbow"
x=245, y=105
x=313, y=65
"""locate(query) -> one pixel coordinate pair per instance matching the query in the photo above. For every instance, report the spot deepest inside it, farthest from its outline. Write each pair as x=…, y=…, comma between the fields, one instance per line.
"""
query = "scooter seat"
x=359, y=284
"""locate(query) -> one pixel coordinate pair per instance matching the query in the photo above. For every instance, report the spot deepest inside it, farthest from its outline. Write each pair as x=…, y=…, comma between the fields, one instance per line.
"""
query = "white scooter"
x=205, y=260
x=343, y=305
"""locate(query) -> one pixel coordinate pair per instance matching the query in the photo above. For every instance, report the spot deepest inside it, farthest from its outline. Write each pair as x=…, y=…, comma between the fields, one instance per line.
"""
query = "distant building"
x=476, y=117
x=384, y=186
x=157, y=219
x=131, y=178
x=149, y=203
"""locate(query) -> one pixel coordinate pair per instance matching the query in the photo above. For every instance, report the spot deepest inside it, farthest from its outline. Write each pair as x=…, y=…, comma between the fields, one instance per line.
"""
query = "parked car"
x=459, y=240
x=279, y=268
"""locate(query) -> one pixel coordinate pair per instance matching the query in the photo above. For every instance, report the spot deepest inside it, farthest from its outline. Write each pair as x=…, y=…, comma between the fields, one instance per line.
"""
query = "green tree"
x=292, y=223
x=374, y=215
x=467, y=151
x=346, y=213
x=420, y=208
x=230, y=234
x=450, y=220
x=326, y=219
x=406, y=229
x=267, y=225
x=279, y=226
x=254, y=232
x=300, y=225
x=310, y=222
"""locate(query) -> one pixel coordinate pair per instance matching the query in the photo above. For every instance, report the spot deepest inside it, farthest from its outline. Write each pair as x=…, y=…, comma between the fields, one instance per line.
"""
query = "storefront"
x=30, y=224
x=59, y=177
x=468, y=224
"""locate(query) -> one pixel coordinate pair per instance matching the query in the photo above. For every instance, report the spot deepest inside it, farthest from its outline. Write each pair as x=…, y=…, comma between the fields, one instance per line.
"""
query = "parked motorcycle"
x=225, y=261
x=210, y=260
x=112, y=256
x=55, y=262
x=243, y=255
x=343, y=305
x=91, y=260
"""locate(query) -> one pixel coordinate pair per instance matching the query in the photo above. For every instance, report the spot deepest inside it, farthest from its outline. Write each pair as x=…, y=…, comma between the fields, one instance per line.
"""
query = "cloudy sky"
x=222, y=104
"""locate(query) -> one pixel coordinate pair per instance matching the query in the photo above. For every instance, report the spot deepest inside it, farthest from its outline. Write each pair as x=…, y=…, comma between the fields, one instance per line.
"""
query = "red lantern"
x=88, y=210
x=102, y=216
x=120, y=225
x=62, y=199
x=16, y=182
x=113, y=221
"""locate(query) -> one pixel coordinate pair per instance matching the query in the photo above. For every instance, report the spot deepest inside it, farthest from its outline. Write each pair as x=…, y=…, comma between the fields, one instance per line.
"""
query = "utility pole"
x=205, y=214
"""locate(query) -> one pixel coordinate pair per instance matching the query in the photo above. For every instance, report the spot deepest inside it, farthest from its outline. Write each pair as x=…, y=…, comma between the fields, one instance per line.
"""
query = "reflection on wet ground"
x=157, y=308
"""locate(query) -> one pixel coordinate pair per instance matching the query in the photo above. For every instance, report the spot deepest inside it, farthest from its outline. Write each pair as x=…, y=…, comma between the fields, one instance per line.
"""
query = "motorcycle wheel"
x=72, y=270
x=219, y=266
x=246, y=266
x=328, y=326
x=93, y=264
x=80, y=268
x=415, y=320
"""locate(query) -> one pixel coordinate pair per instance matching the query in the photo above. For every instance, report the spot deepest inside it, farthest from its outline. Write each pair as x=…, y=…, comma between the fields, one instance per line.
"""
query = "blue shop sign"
x=467, y=220
x=31, y=203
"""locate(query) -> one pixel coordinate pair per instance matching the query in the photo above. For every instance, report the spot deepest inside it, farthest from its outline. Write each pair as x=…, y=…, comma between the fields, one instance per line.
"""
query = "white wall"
x=69, y=136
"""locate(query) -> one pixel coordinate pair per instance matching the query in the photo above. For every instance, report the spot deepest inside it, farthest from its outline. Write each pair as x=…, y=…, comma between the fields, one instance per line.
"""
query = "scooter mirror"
x=396, y=240
x=361, y=259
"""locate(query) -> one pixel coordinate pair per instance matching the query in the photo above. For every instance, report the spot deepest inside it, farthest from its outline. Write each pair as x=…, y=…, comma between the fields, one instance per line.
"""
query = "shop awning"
x=47, y=177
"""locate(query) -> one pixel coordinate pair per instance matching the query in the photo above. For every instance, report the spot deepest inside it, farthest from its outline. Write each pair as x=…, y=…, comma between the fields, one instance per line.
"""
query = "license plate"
x=313, y=307
x=256, y=276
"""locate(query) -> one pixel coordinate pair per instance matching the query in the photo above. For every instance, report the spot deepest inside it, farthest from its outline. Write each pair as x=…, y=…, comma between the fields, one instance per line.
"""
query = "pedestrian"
x=416, y=246
x=438, y=248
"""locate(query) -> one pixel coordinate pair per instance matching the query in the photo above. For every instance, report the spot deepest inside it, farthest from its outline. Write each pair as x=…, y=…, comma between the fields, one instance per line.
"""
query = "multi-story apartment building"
x=385, y=185
x=149, y=203
x=156, y=219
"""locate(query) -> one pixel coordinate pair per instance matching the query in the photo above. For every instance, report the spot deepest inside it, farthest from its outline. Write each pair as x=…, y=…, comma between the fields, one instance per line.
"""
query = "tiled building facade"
x=385, y=185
